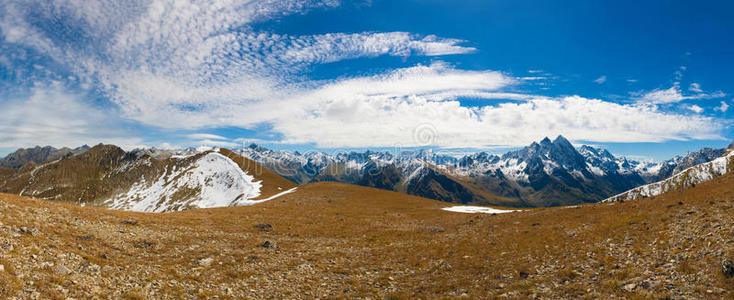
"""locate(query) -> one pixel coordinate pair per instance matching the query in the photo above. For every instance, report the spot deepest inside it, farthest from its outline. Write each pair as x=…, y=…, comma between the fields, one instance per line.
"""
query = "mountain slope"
x=108, y=176
x=683, y=180
x=331, y=240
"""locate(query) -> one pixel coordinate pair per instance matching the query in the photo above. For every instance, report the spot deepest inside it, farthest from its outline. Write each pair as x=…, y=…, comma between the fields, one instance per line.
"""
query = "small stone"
x=2, y=268
x=629, y=287
x=61, y=270
x=26, y=230
x=270, y=245
x=264, y=227
x=727, y=268
x=205, y=262
x=435, y=229
x=93, y=268
x=146, y=244
x=129, y=222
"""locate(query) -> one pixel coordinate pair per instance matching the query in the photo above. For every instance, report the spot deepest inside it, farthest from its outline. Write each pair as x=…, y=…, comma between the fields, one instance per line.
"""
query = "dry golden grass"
x=337, y=240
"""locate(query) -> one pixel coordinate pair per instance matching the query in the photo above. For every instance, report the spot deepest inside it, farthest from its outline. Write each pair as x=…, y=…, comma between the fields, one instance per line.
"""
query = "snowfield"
x=212, y=181
x=477, y=209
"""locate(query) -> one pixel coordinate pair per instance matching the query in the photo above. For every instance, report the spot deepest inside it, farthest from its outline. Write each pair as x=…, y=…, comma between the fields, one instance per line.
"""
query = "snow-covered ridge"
x=683, y=180
x=213, y=180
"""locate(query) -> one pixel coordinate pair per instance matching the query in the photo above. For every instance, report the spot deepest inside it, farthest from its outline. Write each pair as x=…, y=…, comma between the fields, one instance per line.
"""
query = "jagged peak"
x=561, y=140
x=545, y=141
x=590, y=148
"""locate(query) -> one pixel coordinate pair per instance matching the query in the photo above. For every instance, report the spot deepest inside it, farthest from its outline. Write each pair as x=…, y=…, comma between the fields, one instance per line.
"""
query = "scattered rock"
x=304, y=267
x=524, y=274
x=629, y=287
x=146, y=244
x=264, y=227
x=2, y=268
x=270, y=245
x=129, y=222
x=727, y=268
x=205, y=262
x=26, y=230
x=645, y=285
x=435, y=229
x=61, y=270
x=85, y=237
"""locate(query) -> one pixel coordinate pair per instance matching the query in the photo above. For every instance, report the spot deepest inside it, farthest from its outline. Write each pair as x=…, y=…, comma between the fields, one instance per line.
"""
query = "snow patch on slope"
x=685, y=179
x=212, y=181
x=273, y=196
x=477, y=209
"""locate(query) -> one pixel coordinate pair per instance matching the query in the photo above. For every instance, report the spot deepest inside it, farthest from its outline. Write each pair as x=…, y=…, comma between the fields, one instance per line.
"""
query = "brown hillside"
x=336, y=240
x=105, y=171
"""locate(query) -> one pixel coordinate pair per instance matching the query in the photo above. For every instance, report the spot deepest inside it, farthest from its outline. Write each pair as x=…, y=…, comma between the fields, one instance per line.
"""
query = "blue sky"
x=645, y=79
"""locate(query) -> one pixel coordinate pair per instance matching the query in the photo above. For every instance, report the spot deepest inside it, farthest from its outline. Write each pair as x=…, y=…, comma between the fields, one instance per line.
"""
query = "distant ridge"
x=545, y=173
x=38, y=155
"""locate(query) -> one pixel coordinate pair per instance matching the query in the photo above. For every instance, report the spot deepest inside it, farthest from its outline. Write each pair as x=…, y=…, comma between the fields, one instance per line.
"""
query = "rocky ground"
x=338, y=241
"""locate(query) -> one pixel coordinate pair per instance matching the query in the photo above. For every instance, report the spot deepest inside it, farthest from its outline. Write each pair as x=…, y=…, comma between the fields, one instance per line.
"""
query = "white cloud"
x=363, y=121
x=674, y=95
x=334, y=47
x=200, y=136
x=165, y=54
x=694, y=108
x=671, y=95
x=435, y=82
x=723, y=107
x=51, y=116
x=216, y=143
x=695, y=87
x=601, y=79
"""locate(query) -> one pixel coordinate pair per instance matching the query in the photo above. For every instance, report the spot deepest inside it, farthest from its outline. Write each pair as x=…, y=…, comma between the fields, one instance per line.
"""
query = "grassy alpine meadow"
x=330, y=240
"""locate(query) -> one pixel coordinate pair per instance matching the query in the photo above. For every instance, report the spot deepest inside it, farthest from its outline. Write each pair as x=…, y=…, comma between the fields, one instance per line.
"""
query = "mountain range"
x=545, y=173
x=38, y=155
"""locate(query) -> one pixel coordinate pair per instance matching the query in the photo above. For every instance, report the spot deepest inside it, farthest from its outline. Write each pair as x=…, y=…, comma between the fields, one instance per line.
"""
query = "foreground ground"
x=338, y=241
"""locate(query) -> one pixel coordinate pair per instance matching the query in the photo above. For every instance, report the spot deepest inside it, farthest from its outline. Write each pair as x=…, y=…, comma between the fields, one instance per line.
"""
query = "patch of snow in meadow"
x=477, y=209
